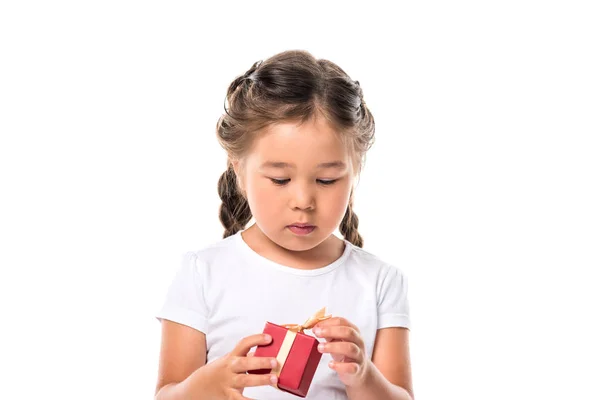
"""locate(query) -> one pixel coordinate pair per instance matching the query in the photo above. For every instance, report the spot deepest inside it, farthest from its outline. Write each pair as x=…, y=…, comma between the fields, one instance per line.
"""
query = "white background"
x=483, y=184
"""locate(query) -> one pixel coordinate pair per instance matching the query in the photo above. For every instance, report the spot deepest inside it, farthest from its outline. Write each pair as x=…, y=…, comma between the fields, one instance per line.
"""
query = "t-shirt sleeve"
x=392, y=305
x=184, y=302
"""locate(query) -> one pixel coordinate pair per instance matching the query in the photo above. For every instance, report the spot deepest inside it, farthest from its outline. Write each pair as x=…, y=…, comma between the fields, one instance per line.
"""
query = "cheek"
x=262, y=198
x=338, y=201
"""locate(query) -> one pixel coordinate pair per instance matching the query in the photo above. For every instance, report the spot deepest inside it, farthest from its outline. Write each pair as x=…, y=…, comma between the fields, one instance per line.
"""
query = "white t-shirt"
x=228, y=291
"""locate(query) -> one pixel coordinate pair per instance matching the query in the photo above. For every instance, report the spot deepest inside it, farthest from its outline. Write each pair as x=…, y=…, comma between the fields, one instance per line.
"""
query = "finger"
x=244, y=345
x=243, y=364
x=246, y=380
x=344, y=367
x=345, y=333
x=336, y=321
x=348, y=350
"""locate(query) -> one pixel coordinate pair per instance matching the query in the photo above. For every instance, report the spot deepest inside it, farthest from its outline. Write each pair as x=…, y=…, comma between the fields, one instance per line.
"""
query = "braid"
x=234, y=211
x=349, y=226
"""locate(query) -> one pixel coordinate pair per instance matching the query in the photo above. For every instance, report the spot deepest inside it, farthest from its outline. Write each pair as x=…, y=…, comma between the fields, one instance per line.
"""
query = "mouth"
x=303, y=229
x=301, y=225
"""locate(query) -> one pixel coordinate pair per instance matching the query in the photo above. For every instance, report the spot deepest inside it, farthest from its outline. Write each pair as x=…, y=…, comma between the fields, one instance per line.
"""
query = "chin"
x=300, y=246
x=289, y=241
x=296, y=243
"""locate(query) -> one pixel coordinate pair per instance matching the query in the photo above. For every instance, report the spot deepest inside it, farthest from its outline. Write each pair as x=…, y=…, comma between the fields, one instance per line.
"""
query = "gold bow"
x=310, y=322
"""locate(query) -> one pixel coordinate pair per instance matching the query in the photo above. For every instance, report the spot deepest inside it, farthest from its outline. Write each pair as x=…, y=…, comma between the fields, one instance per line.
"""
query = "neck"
x=319, y=256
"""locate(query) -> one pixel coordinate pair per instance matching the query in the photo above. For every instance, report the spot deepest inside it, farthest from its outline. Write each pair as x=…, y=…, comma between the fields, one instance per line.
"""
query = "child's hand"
x=225, y=378
x=346, y=347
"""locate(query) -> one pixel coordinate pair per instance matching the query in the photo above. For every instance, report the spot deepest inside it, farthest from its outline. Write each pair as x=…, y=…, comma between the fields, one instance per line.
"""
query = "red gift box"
x=296, y=353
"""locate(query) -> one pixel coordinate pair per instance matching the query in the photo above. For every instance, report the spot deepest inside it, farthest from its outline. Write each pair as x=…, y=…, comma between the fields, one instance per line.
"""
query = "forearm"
x=182, y=390
x=171, y=391
x=377, y=387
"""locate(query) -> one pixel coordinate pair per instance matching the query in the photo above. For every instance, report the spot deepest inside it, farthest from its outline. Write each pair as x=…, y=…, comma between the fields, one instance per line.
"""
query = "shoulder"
x=388, y=280
x=216, y=253
x=380, y=268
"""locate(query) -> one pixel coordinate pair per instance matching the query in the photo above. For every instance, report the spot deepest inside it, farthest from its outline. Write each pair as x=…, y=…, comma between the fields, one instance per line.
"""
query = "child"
x=296, y=134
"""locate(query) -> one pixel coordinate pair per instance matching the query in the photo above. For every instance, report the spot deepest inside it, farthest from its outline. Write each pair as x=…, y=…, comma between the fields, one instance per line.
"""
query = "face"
x=297, y=174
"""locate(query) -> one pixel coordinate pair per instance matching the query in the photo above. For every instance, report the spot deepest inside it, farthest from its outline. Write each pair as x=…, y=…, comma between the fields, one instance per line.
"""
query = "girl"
x=296, y=134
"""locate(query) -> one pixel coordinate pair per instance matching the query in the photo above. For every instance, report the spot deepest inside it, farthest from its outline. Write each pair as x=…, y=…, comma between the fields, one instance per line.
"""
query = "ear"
x=237, y=170
x=236, y=166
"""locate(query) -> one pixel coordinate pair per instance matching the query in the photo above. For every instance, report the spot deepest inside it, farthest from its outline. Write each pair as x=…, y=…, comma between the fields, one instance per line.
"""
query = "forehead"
x=301, y=146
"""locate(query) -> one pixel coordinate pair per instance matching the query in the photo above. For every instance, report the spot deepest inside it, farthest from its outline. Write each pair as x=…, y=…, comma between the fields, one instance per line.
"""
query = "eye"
x=279, y=182
x=282, y=182
x=327, y=183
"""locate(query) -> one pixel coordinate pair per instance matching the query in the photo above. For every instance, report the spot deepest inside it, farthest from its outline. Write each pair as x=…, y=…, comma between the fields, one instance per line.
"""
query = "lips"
x=302, y=225
x=305, y=230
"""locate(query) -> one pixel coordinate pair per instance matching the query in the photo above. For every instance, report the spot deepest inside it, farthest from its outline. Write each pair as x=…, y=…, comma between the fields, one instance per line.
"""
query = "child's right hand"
x=225, y=378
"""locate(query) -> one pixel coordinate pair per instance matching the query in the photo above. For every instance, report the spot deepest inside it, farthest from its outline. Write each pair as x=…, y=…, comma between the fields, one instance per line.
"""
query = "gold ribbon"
x=290, y=336
x=310, y=322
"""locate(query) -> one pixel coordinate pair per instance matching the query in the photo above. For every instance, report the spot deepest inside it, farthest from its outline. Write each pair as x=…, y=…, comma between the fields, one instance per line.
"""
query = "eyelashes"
x=283, y=182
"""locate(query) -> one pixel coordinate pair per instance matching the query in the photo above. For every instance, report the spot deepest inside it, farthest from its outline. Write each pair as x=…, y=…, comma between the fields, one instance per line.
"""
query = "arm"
x=183, y=320
x=182, y=351
x=184, y=375
x=388, y=375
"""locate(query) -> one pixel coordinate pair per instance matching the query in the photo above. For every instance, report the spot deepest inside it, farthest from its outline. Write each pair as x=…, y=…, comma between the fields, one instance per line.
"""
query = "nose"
x=302, y=198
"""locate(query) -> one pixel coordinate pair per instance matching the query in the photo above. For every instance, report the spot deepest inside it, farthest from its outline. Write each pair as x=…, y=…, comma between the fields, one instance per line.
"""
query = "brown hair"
x=290, y=86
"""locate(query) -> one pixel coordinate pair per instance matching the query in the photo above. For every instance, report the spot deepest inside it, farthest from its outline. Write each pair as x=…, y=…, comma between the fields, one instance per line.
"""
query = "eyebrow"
x=278, y=164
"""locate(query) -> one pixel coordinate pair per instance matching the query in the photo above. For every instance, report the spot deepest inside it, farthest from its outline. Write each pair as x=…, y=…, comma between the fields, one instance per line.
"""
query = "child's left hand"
x=347, y=348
